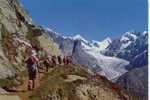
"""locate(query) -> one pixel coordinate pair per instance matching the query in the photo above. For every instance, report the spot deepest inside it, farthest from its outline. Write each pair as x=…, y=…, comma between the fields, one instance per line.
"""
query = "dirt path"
x=22, y=90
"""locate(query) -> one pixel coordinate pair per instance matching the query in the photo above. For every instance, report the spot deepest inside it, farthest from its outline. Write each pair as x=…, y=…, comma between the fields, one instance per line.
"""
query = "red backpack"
x=31, y=60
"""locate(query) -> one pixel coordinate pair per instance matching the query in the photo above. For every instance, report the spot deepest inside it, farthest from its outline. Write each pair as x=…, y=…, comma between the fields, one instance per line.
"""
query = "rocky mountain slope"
x=73, y=82
x=136, y=81
x=133, y=46
x=17, y=34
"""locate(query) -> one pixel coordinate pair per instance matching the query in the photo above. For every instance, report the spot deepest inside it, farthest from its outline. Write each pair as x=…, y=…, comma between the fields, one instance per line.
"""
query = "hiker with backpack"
x=54, y=61
x=59, y=59
x=43, y=59
x=31, y=62
x=47, y=62
x=64, y=60
x=70, y=59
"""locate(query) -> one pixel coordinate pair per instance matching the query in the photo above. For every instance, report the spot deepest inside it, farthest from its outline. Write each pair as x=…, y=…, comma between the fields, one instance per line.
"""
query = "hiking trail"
x=22, y=90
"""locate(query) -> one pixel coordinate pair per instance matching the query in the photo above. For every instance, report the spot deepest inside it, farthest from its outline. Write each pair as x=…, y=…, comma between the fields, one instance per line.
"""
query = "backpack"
x=31, y=63
x=31, y=60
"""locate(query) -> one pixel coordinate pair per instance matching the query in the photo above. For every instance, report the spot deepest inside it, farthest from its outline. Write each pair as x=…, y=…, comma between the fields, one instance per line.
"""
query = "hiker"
x=70, y=60
x=64, y=60
x=67, y=60
x=54, y=62
x=59, y=60
x=47, y=62
x=31, y=62
x=43, y=58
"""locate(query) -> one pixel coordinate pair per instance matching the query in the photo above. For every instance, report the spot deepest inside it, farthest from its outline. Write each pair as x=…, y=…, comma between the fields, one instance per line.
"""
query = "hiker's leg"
x=33, y=83
x=47, y=68
x=34, y=79
x=29, y=84
x=30, y=80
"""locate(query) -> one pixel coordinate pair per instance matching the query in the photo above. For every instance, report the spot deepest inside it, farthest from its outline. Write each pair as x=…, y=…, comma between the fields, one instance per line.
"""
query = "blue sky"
x=93, y=19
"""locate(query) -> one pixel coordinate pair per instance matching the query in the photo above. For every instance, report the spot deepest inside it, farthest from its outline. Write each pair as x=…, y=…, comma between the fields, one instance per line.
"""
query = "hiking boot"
x=29, y=88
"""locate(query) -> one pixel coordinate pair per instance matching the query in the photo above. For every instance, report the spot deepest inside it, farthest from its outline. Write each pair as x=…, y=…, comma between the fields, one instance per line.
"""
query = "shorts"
x=32, y=75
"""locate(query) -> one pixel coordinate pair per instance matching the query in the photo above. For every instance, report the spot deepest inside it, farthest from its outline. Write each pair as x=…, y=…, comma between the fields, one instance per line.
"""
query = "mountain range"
x=116, y=59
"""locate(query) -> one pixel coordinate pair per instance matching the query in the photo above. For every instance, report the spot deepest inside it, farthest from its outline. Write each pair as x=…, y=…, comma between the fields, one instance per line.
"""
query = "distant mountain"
x=88, y=53
x=111, y=67
x=136, y=82
x=129, y=45
x=120, y=60
x=132, y=46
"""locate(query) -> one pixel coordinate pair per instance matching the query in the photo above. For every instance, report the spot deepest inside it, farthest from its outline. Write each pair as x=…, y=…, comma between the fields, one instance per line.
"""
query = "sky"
x=93, y=19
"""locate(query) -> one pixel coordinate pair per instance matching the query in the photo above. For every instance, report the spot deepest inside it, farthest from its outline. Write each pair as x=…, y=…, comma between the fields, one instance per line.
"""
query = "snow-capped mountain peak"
x=145, y=33
x=103, y=44
x=128, y=36
x=48, y=29
x=79, y=37
x=107, y=41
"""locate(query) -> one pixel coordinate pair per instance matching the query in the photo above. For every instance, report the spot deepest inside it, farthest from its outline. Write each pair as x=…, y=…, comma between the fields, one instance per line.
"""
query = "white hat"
x=34, y=53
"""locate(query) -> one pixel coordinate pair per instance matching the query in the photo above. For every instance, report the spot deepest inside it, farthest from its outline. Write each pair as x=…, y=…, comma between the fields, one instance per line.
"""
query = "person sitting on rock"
x=31, y=62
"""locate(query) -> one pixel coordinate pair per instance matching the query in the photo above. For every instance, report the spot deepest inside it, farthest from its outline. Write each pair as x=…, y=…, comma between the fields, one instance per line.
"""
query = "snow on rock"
x=129, y=45
x=79, y=37
x=145, y=33
x=103, y=44
x=127, y=39
x=111, y=67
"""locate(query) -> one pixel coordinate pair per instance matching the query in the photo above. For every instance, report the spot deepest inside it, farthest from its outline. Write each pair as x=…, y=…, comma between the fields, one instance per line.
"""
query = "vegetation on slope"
x=72, y=82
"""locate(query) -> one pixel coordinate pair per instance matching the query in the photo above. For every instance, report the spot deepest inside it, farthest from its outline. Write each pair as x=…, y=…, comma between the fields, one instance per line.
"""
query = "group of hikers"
x=39, y=59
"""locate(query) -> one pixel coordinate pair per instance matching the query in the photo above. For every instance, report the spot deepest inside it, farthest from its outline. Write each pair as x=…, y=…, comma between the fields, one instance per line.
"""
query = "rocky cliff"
x=17, y=34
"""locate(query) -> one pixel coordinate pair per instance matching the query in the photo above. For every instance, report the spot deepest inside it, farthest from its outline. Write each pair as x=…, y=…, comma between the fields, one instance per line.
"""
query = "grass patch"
x=53, y=84
x=11, y=81
x=54, y=87
x=8, y=82
x=70, y=70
